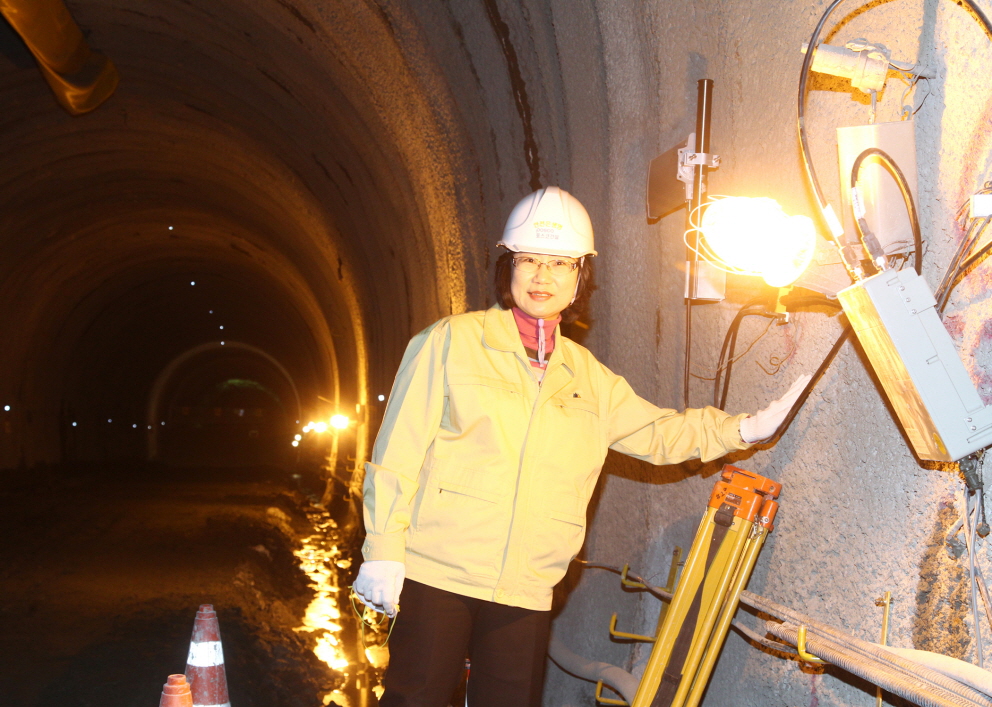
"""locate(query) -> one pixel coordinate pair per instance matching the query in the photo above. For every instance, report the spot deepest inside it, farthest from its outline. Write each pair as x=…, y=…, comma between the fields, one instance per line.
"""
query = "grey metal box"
x=894, y=316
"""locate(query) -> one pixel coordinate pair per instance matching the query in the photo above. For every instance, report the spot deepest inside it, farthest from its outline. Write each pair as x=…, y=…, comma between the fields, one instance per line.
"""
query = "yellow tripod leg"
x=759, y=533
x=739, y=494
x=719, y=634
x=692, y=575
x=722, y=572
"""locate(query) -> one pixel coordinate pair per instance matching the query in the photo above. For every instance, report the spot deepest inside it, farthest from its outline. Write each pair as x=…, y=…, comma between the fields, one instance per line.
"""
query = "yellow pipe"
x=80, y=78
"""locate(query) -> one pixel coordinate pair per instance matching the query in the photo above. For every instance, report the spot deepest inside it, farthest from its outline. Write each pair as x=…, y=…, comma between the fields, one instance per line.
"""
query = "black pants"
x=436, y=630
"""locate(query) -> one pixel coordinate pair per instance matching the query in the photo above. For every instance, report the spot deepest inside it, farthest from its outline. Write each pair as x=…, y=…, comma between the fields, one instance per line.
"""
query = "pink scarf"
x=536, y=334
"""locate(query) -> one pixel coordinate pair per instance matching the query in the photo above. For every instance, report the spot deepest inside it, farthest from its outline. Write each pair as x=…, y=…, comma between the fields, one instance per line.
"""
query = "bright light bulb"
x=192, y=283
x=6, y=408
x=320, y=427
x=298, y=437
x=381, y=398
x=73, y=424
x=339, y=422
x=296, y=443
x=754, y=236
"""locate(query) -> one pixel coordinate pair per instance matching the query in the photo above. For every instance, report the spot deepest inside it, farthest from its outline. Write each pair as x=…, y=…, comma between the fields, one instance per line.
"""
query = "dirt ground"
x=102, y=571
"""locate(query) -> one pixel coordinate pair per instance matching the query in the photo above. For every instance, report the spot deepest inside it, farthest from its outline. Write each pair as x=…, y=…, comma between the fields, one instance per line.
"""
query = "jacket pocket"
x=461, y=521
x=556, y=537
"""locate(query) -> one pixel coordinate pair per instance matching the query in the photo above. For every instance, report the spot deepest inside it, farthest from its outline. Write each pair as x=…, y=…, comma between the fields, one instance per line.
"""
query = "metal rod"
x=704, y=111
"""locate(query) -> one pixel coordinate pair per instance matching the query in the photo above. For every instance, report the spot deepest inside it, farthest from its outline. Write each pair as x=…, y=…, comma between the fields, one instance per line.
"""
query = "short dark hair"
x=504, y=274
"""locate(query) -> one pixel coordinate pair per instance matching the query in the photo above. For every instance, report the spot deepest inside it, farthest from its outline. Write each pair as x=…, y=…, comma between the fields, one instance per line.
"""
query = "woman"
x=492, y=441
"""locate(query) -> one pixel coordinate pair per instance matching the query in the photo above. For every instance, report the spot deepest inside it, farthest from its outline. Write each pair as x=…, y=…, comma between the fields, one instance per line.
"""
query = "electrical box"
x=885, y=209
x=895, y=318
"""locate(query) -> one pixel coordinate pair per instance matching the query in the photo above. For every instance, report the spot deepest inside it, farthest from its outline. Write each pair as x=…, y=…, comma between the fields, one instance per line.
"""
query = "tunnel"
x=238, y=240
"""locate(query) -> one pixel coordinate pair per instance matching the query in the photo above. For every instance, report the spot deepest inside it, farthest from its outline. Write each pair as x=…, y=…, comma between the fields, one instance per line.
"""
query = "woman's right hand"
x=379, y=584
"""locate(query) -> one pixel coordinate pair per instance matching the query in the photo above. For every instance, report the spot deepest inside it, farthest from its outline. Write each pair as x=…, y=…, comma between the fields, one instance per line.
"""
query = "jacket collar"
x=499, y=331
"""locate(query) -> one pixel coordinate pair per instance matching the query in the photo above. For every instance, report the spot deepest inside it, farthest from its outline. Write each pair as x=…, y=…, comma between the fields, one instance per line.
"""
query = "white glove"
x=762, y=425
x=379, y=584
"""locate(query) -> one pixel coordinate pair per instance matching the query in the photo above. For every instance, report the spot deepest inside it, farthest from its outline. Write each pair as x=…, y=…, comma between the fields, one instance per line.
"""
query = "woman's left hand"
x=764, y=423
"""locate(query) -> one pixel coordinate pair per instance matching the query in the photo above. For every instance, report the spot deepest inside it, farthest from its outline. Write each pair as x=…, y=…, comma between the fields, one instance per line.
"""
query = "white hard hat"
x=549, y=221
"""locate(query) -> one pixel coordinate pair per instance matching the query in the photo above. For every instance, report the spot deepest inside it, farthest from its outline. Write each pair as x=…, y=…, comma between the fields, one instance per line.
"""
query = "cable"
x=792, y=302
x=801, y=400
x=958, y=268
x=907, y=197
x=942, y=294
x=729, y=345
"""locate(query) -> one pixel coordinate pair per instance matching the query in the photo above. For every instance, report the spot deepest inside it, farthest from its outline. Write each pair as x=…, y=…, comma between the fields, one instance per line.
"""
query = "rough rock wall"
x=860, y=515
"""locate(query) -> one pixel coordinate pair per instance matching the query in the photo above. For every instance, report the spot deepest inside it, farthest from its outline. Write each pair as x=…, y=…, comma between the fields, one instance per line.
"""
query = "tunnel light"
x=382, y=398
x=298, y=437
x=6, y=408
x=149, y=426
x=339, y=422
x=754, y=236
x=192, y=283
x=210, y=312
x=109, y=420
x=222, y=343
x=73, y=424
x=170, y=228
x=221, y=326
x=162, y=422
x=318, y=427
x=296, y=443
x=134, y=426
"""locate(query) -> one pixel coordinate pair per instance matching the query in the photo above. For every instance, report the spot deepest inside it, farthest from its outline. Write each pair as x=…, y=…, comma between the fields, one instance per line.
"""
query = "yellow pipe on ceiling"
x=80, y=78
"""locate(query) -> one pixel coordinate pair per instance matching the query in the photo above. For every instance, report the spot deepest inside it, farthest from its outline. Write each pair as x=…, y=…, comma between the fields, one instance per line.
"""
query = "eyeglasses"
x=556, y=267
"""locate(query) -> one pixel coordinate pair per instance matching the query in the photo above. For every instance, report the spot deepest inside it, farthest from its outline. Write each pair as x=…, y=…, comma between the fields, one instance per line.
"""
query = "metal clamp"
x=630, y=636
x=801, y=647
x=606, y=700
x=630, y=583
x=701, y=158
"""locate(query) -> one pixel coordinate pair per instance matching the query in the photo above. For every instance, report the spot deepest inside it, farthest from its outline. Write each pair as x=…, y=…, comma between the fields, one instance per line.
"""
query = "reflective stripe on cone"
x=205, y=664
x=176, y=693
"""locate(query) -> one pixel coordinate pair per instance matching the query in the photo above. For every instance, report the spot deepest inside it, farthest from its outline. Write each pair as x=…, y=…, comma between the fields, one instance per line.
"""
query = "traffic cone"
x=175, y=693
x=205, y=664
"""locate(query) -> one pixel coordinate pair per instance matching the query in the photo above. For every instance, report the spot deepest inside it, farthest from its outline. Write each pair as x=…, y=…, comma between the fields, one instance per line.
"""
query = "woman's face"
x=541, y=294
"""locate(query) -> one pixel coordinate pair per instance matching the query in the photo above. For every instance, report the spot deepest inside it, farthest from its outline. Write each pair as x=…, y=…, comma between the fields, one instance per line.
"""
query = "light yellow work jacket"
x=480, y=476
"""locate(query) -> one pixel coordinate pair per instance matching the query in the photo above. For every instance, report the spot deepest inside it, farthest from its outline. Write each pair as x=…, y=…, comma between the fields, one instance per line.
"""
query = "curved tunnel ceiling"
x=297, y=157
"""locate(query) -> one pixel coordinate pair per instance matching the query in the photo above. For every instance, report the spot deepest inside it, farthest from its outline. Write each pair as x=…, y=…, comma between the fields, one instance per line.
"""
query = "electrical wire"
x=801, y=400
x=730, y=340
x=959, y=268
x=907, y=197
x=972, y=235
x=729, y=345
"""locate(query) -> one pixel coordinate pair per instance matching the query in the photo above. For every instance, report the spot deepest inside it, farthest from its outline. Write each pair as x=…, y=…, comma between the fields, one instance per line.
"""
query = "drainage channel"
x=330, y=618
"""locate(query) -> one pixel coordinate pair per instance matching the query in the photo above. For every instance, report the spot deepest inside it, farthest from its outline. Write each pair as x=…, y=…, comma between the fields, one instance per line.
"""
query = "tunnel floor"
x=101, y=574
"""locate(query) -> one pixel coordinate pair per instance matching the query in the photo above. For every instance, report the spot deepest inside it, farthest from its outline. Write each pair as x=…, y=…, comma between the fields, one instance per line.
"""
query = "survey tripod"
x=691, y=632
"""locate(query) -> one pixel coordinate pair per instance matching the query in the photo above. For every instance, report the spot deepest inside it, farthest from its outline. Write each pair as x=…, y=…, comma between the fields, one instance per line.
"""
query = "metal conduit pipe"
x=617, y=678
x=867, y=649
x=918, y=690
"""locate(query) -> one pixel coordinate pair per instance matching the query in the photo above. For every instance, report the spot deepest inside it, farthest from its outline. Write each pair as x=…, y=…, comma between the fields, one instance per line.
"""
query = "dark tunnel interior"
x=240, y=240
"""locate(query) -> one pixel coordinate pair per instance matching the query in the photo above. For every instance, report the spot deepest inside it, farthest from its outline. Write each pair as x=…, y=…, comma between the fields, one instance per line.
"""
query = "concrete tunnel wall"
x=346, y=166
